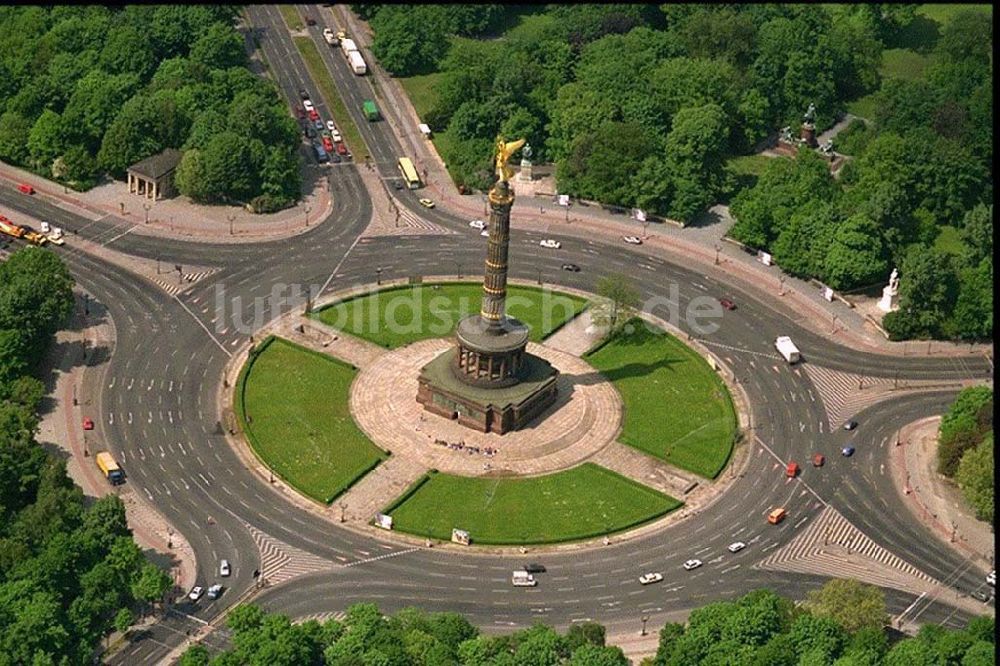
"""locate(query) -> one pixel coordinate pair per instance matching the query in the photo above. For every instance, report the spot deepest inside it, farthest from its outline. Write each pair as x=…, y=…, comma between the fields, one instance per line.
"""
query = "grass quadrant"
x=676, y=407
x=291, y=16
x=300, y=422
x=397, y=316
x=578, y=503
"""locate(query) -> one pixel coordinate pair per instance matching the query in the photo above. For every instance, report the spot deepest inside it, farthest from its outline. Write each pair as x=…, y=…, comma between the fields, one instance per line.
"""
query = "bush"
x=268, y=203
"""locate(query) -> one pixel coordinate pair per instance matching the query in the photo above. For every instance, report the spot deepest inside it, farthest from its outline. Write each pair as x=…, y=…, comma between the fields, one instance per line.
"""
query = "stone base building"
x=153, y=177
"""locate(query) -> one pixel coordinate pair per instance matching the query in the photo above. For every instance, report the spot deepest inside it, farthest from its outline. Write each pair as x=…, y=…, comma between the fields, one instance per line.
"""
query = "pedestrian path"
x=411, y=220
x=280, y=562
x=175, y=287
x=645, y=469
x=322, y=618
x=844, y=394
x=577, y=336
x=379, y=487
x=831, y=545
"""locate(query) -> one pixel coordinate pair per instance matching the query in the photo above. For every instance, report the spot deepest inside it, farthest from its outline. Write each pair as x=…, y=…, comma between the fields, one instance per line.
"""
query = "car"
x=224, y=568
x=318, y=124
x=310, y=132
x=847, y=451
x=88, y=424
x=818, y=460
x=308, y=105
x=534, y=567
x=572, y=268
x=303, y=94
x=55, y=236
x=427, y=203
x=195, y=593
x=632, y=240
x=397, y=184
x=341, y=34
x=692, y=564
x=310, y=20
x=330, y=126
x=736, y=547
x=327, y=144
x=336, y=135
x=551, y=244
x=341, y=148
x=982, y=595
x=991, y=578
x=727, y=304
x=653, y=577
x=477, y=224
x=314, y=116
x=484, y=232
x=214, y=591
x=301, y=113
x=850, y=425
x=326, y=133
x=335, y=158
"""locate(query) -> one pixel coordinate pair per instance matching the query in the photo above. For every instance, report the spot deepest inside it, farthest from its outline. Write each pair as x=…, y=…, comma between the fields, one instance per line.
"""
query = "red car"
x=88, y=424
x=327, y=144
x=341, y=148
x=25, y=188
x=818, y=460
x=727, y=304
x=313, y=114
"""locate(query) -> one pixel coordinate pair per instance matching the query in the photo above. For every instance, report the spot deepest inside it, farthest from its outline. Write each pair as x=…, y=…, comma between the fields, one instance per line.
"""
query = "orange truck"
x=776, y=516
x=9, y=228
x=35, y=237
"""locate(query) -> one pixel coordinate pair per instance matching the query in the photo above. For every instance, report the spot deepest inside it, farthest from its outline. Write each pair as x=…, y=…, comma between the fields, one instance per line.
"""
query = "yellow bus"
x=409, y=173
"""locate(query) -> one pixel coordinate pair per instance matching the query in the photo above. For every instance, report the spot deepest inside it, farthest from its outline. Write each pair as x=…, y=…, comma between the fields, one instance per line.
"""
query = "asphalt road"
x=157, y=413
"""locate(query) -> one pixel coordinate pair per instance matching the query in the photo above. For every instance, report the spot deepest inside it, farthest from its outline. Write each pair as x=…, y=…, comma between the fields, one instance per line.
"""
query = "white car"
x=46, y=227
x=224, y=568
x=307, y=105
x=477, y=224
x=330, y=126
x=632, y=240
x=484, y=232
x=195, y=593
x=551, y=244
x=335, y=135
x=646, y=579
x=55, y=236
x=736, y=547
x=692, y=564
x=991, y=578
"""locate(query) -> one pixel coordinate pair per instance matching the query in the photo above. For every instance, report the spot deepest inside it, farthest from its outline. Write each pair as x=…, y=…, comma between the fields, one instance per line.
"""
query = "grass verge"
x=292, y=404
x=676, y=407
x=400, y=315
x=579, y=503
x=320, y=75
x=422, y=91
x=291, y=16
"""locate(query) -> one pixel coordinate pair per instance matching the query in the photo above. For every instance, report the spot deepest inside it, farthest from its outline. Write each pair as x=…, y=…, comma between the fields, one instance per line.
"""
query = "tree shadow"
x=921, y=35
x=626, y=371
x=709, y=218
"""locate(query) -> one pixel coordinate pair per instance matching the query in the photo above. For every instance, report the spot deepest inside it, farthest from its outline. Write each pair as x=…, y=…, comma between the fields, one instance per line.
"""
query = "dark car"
x=981, y=595
x=303, y=94
x=534, y=567
x=572, y=268
x=310, y=132
x=850, y=425
x=397, y=184
x=335, y=158
x=310, y=20
x=726, y=303
x=847, y=451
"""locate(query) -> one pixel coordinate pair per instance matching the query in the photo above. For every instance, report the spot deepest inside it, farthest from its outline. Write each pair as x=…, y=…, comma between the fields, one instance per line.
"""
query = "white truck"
x=522, y=579
x=347, y=45
x=357, y=63
x=329, y=37
x=787, y=349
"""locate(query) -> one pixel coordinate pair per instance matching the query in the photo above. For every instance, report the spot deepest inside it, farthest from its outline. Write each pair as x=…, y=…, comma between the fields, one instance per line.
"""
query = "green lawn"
x=320, y=75
x=300, y=424
x=398, y=316
x=676, y=407
x=949, y=240
x=291, y=16
x=578, y=503
x=942, y=13
x=422, y=91
x=903, y=64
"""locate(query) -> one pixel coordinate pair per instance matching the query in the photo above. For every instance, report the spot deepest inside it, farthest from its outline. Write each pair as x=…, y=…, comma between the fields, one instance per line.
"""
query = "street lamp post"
x=717, y=248
x=781, y=281
x=343, y=510
x=539, y=277
x=645, y=619
x=146, y=208
x=378, y=275
x=834, y=324
x=459, y=264
x=232, y=218
x=307, y=214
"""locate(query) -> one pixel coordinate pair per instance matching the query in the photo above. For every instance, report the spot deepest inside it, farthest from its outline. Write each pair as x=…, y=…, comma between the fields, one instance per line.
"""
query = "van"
x=522, y=579
x=776, y=516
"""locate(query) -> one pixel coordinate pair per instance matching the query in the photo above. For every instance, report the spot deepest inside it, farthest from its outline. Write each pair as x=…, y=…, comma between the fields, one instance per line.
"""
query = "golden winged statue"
x=504, y=151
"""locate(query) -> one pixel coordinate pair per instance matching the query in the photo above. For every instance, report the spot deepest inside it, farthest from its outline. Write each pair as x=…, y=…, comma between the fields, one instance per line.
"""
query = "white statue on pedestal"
x=525, y=174
x=889, y=292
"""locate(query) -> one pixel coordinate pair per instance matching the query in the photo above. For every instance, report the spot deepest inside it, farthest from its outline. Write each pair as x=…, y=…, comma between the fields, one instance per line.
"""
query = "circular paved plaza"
x=585, y=418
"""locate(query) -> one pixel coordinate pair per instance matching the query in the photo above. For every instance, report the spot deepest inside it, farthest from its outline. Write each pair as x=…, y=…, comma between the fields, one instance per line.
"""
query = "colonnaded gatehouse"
x=489, y=381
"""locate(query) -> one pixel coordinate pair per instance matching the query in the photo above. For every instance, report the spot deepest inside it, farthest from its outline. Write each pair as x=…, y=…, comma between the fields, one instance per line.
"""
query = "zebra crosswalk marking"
x=280, y=562
x=832, y=545
x=171, y=286
x=407, y=218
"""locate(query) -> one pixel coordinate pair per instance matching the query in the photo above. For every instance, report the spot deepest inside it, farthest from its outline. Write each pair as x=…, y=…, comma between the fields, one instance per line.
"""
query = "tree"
x=123, y=620
x=408, y=38
x=132, y=136
x=151, y=584
x=220, y=47
x=927, y=292
x=977, y=233
x=196, y=655
x=968, y=35
x=127, y=50
x=856, y=256
x=229, y=169
x=850, y=603
x=593, y=655
x=975, y=478
x=586, y=633
x=36, y=298
x=14, y=130
x=601, y=166
x=45, y=141
x=972, y=317
x=622, y=296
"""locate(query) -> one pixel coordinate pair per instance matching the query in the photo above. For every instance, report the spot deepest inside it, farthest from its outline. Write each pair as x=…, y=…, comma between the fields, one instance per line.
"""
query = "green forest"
x=69, y=569
x=841, y=624
x=965, y=448
x=89, y=90
x=647, y=106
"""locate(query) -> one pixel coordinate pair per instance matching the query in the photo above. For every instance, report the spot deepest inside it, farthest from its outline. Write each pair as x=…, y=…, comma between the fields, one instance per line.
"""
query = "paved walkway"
x=935, y=500
x=577, y=337
x=646, y=469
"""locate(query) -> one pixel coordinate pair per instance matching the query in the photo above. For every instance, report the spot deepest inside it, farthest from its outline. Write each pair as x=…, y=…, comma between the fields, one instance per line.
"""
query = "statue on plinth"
x=504, y=152
x=889, y=292
x=809, y=127
x=524, y=176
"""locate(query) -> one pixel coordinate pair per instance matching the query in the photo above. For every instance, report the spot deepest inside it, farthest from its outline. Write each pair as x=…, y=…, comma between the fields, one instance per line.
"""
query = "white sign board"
x=424, y=129
x=764, y=257
x=562, y=199
x=383, y=521
x=639, y=214
x=460, y=536
x=828, y=294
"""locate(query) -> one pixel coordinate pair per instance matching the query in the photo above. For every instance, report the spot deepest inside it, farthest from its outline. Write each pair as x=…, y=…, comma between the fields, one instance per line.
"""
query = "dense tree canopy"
x=95, y=90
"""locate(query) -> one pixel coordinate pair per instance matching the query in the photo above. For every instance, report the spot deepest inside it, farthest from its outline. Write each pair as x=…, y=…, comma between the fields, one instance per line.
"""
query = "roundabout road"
x=158, y=415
